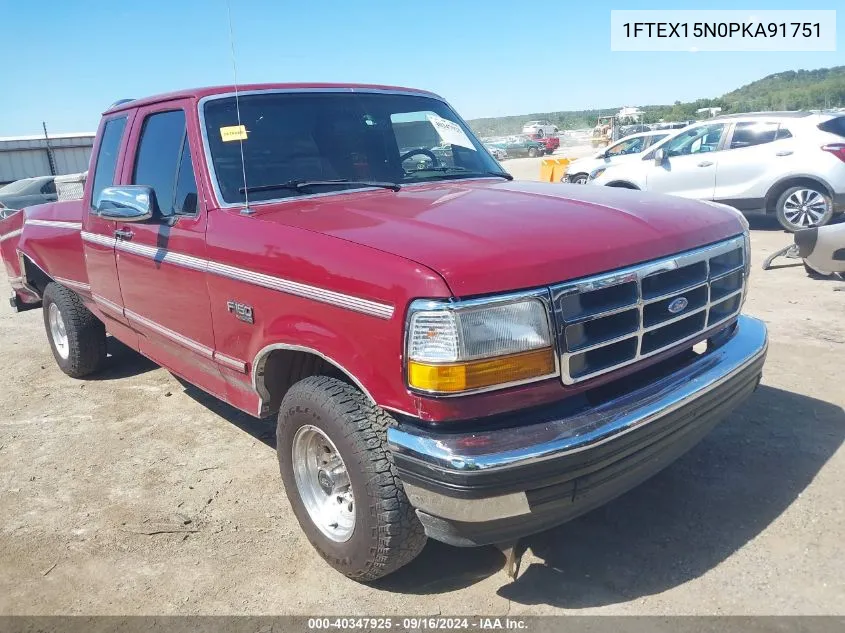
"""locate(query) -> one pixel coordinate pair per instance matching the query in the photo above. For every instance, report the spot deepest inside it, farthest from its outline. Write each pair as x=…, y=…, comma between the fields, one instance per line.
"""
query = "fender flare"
x=786, y=179
x=257, y=366
x=622, y=184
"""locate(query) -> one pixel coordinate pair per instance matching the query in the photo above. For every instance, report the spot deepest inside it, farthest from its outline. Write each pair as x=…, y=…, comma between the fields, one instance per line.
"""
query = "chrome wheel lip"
x=318, y=467
x=58, y=332
x=805, y=208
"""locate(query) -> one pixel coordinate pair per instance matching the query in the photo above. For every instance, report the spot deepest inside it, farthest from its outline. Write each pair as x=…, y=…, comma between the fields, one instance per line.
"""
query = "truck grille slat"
x=615, y=319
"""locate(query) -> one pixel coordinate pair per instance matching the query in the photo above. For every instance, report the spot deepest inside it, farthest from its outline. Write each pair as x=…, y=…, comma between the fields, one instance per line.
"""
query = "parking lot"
x=134, y=493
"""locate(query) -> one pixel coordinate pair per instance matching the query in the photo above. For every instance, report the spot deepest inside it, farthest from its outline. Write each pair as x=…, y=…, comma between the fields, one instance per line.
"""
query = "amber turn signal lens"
x=477, y=374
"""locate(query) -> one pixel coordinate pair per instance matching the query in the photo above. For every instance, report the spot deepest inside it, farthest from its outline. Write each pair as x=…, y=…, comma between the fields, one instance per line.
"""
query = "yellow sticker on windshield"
x=233, y=133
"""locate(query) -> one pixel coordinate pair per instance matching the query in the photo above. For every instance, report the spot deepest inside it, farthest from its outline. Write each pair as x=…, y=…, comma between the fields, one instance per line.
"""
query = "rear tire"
x=804, y=207
x=812, y=273
x=77, y=337
x=532, y=152
x=374, y=530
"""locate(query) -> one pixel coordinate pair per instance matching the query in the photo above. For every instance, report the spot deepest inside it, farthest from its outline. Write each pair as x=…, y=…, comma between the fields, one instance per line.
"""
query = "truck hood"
x=485, y=236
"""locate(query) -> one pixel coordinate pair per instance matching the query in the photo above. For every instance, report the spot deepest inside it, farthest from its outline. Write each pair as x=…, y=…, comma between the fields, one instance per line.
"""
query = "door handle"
x=124, y=234
x=785, y=152
x=705, y=163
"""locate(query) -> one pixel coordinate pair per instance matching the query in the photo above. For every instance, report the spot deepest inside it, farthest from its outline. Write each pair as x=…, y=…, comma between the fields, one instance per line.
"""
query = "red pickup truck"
x=550, y=143
x=447, y=353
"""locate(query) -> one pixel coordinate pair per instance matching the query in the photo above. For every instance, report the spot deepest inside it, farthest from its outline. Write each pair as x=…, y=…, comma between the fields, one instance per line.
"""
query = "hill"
x=789, y=90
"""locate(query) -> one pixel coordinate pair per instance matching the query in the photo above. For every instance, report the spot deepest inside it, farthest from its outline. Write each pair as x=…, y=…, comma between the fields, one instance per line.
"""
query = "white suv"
x=788, y=163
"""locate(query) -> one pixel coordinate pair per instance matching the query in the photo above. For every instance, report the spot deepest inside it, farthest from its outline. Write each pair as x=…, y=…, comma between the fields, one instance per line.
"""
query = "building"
x=28, y=156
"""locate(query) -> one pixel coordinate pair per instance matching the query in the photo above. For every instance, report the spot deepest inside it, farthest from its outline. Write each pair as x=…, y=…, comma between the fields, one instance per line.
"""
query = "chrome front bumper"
x=473, y=488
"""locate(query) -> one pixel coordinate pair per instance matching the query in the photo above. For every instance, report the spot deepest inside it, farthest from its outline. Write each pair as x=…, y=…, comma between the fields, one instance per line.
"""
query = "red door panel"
x=161, y=268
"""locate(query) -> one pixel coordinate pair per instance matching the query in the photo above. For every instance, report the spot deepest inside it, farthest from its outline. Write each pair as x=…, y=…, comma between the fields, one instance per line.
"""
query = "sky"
x=64, y=62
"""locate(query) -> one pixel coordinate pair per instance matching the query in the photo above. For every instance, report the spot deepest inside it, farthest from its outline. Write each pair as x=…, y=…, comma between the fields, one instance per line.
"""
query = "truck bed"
x=45, y=235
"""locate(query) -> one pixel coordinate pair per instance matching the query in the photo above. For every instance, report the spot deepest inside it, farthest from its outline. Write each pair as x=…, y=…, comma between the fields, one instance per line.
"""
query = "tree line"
x=789, y=90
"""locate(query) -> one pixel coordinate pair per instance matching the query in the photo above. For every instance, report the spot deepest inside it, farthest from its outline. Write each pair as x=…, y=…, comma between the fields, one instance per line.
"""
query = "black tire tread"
x=86, y=333
x=400, y=534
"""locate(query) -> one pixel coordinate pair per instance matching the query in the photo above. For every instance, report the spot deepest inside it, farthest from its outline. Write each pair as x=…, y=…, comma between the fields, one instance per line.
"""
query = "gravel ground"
x=132, y=493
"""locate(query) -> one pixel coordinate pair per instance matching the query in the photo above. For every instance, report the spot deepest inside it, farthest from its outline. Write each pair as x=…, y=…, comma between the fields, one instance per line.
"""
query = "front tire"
x=580, y=179
x=532, y=152
x=804, y=207
x=77, y=337
x=339, y=478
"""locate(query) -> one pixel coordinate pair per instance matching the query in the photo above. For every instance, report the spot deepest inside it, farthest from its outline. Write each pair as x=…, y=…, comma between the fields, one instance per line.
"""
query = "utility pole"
x=50, y=158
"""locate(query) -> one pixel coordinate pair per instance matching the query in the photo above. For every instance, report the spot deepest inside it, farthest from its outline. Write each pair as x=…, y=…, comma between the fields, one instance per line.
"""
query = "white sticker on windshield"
x=450, y=132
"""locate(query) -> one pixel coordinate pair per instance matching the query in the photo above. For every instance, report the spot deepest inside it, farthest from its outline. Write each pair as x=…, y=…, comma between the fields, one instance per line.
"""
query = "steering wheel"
x=424, y=152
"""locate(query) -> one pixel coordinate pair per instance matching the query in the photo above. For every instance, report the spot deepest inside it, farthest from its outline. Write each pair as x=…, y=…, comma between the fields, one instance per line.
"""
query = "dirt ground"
x=131, y=493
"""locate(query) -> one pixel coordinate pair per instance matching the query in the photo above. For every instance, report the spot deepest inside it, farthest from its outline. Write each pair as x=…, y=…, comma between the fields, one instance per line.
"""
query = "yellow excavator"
x=605, y=131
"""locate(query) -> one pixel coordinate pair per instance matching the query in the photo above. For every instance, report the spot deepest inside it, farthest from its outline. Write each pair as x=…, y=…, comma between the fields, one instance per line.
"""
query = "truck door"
x=161, y=262
x=98, y=234
x=689, y=169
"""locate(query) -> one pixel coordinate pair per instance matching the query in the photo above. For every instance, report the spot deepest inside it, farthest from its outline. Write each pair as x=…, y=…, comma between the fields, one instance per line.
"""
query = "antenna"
x=246, y=210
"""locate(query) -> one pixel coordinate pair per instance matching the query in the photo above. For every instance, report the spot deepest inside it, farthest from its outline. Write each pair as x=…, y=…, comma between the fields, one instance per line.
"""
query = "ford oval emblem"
x=678, y=305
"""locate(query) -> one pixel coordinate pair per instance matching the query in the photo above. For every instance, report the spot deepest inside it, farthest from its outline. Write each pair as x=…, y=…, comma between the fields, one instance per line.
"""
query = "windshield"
x=628, y=146
x=335, y=136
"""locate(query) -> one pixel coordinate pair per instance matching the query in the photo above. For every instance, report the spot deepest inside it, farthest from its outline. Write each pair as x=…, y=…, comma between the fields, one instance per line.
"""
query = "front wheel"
x=532, y=152
x=77, y=337
x=803, y=207
x=579, y=179
x=340, y=481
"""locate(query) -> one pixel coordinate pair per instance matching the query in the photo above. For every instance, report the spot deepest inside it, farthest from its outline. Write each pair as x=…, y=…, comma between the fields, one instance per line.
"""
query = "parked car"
x=498, y=152
x=549, y=143
x=579, y=170
x=447, y=353
x=547, y=128
x=521, y=146
x=790, y=164
x=28, y=191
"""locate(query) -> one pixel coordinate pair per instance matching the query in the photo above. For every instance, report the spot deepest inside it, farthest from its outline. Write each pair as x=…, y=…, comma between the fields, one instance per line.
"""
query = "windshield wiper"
x=297, y=185
x=464, y=170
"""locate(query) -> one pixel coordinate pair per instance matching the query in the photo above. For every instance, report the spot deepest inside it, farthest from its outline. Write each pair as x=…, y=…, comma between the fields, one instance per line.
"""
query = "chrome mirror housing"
x=126, y=203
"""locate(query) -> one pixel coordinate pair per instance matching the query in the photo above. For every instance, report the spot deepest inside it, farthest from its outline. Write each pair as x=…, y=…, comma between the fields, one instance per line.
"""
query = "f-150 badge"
x=241, y=310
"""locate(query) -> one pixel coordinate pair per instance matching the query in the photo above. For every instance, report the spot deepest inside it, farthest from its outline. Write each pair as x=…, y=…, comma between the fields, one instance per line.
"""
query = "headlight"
x=461, y=347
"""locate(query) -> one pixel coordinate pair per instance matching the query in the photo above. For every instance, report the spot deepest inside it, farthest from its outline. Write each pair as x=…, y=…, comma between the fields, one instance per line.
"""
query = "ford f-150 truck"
x=448, y=353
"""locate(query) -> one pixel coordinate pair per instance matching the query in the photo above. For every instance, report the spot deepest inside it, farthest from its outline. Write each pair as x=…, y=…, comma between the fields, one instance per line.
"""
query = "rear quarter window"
x=107, y=157
x=834, y=126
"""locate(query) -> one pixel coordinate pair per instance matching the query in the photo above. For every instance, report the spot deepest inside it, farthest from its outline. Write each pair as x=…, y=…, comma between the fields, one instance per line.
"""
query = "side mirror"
x=659, y=156
x=126, y=203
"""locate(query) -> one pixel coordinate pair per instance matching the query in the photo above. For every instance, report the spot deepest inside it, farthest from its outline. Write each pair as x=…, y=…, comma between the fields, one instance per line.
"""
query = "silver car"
x=28, y=191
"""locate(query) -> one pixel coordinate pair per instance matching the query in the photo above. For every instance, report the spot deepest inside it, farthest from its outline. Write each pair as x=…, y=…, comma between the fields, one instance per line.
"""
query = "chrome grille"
x=615, y=319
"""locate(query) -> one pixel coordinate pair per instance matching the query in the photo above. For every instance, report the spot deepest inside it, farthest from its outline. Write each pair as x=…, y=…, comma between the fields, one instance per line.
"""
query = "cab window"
x=163, y=162
x=106, y=165
x=750, y=133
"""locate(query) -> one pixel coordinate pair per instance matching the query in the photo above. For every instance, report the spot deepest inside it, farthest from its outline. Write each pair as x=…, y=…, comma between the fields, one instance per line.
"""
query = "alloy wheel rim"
x=57, y=331
x=323, y=483
x=805, y=208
